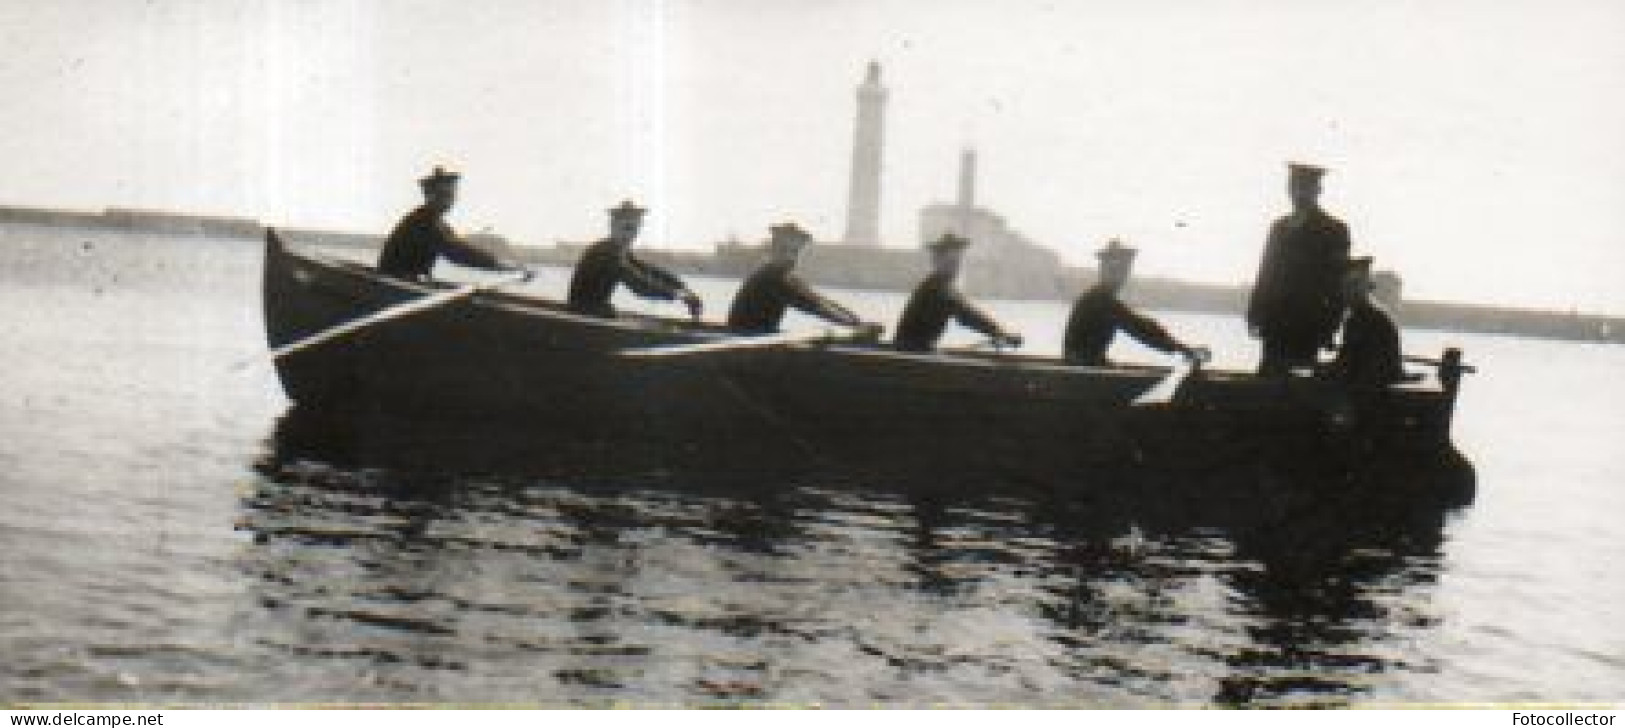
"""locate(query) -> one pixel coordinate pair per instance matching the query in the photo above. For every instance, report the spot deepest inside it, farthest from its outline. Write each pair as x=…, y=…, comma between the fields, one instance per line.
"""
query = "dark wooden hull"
x=519, y=383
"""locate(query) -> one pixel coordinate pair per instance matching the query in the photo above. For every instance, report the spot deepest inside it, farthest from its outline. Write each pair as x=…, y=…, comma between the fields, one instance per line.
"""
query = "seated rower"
x=1369, y=357
x=1099, y=314
x=422, y=236
x=609, y=263
x=937, y=300
x=759, y=306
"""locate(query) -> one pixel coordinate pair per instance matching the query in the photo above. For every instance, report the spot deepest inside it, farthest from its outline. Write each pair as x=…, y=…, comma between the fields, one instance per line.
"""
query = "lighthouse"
x=868, y=132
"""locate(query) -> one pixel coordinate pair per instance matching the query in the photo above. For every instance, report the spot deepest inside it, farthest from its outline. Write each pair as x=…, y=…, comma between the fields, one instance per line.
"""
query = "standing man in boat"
x=1297, y=300
x=609, y=263
x=938, y=300
x=759, y=306
x=1099, y=314
x=423, y=237
x=1370, y=357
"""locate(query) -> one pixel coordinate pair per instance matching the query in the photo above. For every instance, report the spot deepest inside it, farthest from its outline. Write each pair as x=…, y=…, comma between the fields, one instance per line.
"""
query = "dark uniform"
x=1370, y=357
x=1297, y=299
x=762, y=299
x=1097, y=317
x=604, y=266
x=934, y=303
x=421, y=238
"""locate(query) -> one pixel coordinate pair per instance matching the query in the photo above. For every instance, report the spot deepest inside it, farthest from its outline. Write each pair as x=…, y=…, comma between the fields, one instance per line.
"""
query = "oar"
x=388, y=314
x=1164, y=390
x=979, y=347
x=1435, y=362
x=733, y=342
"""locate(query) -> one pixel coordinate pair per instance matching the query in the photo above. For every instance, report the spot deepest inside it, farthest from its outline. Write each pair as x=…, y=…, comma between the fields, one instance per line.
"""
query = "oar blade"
x=1164, y=390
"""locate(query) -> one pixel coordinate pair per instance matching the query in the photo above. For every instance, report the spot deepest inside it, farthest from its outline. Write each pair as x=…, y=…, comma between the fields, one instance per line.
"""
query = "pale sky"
x=1476, y=146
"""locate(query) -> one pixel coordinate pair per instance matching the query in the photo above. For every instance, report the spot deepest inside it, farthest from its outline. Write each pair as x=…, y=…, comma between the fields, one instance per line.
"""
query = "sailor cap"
x=789, y=233
x=1300, y=170
x=948, y=241
x=1116, y=252
x=439, y=177
x=626, y=209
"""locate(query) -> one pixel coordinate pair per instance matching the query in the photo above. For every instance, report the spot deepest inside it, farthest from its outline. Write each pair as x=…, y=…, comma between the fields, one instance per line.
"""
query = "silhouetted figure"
x=759, y=306
x=609, y=263
x=1099, y=314
x=938, y=300
x=1296, y=302
x=1370, y=357
x=423, y=237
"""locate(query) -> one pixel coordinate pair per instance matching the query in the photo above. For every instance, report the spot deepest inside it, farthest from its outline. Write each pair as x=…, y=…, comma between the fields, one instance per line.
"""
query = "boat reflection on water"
x=1272, y=583
x=1330, y=583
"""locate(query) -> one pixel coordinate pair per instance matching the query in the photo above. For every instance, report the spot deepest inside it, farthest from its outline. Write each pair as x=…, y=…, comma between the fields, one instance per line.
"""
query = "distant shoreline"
x=890, y=269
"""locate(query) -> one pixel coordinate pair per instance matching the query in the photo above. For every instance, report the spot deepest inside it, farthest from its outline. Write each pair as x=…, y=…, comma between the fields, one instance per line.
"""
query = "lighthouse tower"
x=863, y=198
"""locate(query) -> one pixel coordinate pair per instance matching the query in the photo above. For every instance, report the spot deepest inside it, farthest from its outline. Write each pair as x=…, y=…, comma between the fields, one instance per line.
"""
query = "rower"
x=609, y=263
x=1099, y=314
x=759, y=306
x=422, y=236
x=938, y=300
x=1369, y=357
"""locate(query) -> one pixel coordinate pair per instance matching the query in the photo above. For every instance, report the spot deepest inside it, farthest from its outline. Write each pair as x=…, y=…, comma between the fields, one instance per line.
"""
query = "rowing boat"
x=523, y=381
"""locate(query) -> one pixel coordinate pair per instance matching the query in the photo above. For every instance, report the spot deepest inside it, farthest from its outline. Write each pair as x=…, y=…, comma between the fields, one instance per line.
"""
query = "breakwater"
x=42, y=242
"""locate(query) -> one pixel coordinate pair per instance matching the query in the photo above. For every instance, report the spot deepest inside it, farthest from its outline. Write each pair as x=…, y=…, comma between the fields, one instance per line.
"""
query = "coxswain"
x=609, y=263
x=938, y=300
x=1297, y=302
x=422, y=236
x=1369, y=357
x=1099, y=314
x=759, y=306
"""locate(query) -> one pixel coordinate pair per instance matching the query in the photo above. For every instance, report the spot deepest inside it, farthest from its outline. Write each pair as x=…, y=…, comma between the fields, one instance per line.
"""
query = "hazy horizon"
x=1478, y=148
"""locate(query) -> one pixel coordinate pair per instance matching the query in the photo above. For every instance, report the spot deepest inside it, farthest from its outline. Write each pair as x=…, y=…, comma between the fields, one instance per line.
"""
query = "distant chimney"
x=965, y=207
x=967, y=179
